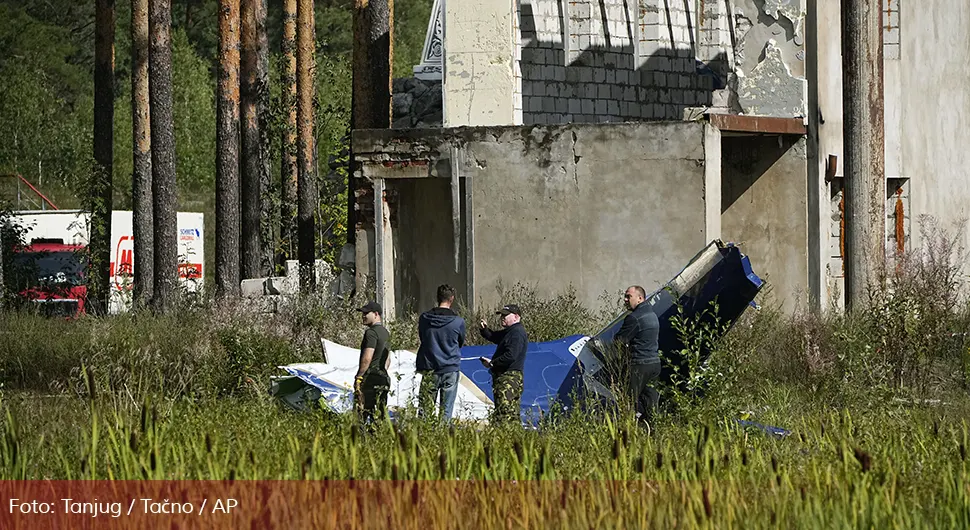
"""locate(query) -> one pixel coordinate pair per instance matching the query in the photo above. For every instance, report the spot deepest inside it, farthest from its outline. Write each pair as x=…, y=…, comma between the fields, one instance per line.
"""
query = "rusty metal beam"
x=757, y=124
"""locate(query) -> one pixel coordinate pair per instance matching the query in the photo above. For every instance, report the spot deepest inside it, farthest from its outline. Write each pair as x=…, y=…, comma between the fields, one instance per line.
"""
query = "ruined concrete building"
x=601, y=143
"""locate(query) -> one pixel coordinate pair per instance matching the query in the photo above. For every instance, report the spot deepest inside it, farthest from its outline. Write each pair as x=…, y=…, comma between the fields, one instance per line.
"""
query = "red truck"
x=49, y=274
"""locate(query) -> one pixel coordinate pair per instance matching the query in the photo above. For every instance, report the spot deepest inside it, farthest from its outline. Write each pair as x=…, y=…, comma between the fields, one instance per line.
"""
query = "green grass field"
x=876, y=405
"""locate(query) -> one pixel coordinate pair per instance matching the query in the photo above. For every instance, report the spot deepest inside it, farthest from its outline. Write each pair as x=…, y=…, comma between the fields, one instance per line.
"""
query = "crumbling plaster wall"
x=598, y=207
x=768, y=42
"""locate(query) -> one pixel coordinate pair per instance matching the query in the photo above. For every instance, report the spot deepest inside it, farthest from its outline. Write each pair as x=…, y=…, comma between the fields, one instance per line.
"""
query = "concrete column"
x=384, y=251
x=823, y=47
x=712, y=183
x=456, y=205
x=479, y=50
x=468, y=206
x=864, y=144
x=363, y=257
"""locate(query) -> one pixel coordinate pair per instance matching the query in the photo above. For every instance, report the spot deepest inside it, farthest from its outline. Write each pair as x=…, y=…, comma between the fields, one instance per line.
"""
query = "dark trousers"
x=642, y=381
x=373, y=400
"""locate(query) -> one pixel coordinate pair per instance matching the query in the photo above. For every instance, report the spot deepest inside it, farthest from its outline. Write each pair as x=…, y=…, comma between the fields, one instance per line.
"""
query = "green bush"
x=251, y=357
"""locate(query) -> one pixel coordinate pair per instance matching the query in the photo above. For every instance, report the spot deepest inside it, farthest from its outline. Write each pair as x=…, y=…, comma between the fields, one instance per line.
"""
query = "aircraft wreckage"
x=717, y=285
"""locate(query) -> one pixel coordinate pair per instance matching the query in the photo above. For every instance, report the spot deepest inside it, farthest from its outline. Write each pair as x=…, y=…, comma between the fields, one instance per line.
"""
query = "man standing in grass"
x=442, y=334
x=507, y=363
x=639, y=333
x=372, y=383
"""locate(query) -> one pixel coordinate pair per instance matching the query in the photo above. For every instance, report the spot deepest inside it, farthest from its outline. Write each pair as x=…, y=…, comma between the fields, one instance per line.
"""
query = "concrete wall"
x=585, y=61
x=765, y=210
x=769, y=57
x=599, y=207
x=478, y=85
x=935, y=103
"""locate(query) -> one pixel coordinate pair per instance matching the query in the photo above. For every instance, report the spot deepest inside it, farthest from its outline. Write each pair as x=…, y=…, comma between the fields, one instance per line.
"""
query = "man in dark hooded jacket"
x=442, y=334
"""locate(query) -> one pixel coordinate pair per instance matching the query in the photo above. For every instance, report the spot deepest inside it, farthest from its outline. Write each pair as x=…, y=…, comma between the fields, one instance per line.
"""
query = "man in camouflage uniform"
x=507, y=363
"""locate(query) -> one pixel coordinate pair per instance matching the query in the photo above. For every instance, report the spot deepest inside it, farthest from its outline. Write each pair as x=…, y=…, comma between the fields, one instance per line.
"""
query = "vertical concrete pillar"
x=365, y=264
x=456, y=206
x=712, y=183
x=479, y=51
x=865, y=148
x=823, y=68
x=468, y=206
x=384, y=251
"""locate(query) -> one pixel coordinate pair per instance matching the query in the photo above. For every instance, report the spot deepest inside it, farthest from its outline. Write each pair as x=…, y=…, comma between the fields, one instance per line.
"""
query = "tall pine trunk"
x=255, y=160
x=163, y=155
x=99, y=279
x=306, y=160
x=141, y=179
x=371, y=105
x=288, y=171
x=371, y=95
x=267, y=211
x=3, y=284
x=227, y=152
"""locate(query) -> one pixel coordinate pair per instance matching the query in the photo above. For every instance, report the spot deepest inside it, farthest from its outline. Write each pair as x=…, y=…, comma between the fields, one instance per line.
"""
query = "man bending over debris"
x=372, y=383
x=639, y=333
x=507, y=363
x=442, y=334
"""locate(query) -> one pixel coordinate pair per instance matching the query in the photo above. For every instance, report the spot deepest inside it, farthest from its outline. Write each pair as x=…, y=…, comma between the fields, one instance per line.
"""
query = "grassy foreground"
x=875, y=404
x=898, y=466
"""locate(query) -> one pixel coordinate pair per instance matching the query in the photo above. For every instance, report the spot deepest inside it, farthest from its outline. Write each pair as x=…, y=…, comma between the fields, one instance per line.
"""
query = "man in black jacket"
x=507, y=363
x=639, y=333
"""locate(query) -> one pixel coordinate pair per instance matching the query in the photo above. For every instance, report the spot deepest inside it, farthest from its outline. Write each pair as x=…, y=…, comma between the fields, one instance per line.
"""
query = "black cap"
x=371, y=306
x=509, y=309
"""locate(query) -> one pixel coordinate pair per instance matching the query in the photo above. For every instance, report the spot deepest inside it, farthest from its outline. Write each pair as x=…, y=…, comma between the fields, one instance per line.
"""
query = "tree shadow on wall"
x=612, y=82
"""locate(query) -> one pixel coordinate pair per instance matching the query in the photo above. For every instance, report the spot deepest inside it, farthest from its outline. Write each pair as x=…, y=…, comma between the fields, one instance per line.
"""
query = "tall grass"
x=875, y=403
x=838, y=468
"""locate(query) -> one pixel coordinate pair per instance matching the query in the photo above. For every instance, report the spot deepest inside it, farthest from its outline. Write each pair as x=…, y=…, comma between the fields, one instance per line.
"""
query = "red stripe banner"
x=334, y=504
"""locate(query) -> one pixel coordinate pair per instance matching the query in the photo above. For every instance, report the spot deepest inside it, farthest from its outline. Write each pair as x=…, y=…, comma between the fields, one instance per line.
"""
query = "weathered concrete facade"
x=611, y=61
x=448, y=197
x=927, y=116
x=598, y=207
x=512, y=62
x=547, y=206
